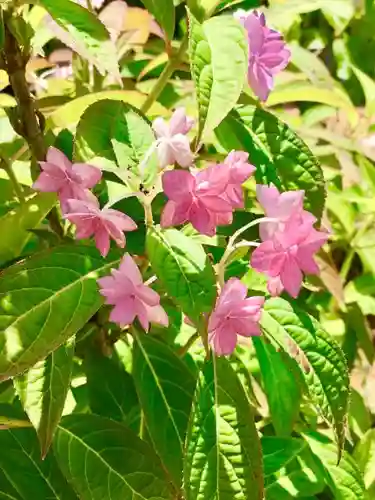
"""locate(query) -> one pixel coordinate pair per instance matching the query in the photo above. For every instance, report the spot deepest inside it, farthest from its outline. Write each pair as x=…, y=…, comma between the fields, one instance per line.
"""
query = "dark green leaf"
x=281, y=386
x=322, y=362
x=45, y=300
x=43, y=390
x=163, y=11
x=184, y=270
x=280, y=155
x=218, y=59
x=277, y=452
x=104, y=459
x=20, y=462
x=223, y=454
x=165, y=388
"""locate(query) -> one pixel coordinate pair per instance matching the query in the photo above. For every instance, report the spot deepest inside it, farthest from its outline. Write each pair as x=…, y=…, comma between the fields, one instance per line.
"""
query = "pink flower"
x=234, y=314
x=125, y=290
x=268, y=54
x=173, y=145
x=289, y=253
x=104, y=224
x=69, y=181
x=197, y=198
x=279, y=206
x=240, y=171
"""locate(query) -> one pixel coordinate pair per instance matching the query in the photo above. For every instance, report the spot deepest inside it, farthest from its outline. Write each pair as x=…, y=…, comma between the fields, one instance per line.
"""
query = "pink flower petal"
x=47, y=183
x=180, y=123
x=148, y=295
x=89, y=175
x=124, y=312
x=58, y=158
x=130, y=269
x=160, y=128
x=291, y=277
x=182, y=154
x=275, y=286
x=223, y=341
x=178, y=185
x=156, y=314
x=102, y=241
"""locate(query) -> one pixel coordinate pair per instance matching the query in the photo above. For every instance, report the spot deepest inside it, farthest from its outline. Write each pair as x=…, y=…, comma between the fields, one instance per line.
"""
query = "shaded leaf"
x=223, y=454
x=277, y=452
x=43, y=390
x=45, y=300
x=165, y=387
x=105, y=459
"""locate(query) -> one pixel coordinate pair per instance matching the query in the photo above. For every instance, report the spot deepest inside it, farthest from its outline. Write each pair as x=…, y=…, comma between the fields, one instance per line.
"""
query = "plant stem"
x=185, y=348
x=5, y=165
x=165, y=76
x=26, y=121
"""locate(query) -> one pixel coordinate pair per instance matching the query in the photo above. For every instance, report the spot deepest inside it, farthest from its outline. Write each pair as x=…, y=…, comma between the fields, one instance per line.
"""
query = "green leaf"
x=165, y=388
x=218, y=59
x=43, y=390
x=82, y=31
x=119, y=134
x=21, y=464
x=277, y=452
x=184, y=270
x=17, y=223
x=163, y=11
x=345, y=480
x=364, y=456
x=45, y=300
x=104, y=459
x=323, y=364
x=223, y=455
x=368, y=87
x=280, y=155
x=202, y=9
x=110, y=388
x=281, y=386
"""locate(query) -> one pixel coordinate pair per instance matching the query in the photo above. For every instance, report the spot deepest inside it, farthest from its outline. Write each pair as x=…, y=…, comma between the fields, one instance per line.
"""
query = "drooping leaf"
x=218, y=59
x=43, y=390
x=82, y=31
x=184, y=270
x=280, y=155
x=345, y=480
x=21, y=464
x=110, y=388
x=281, y=386
x=165, y=387
x=164, y=13
x=223, y=455
x=16, y=224
x=45, y=300
x=277, y=452
x=323, y=364
x=104, y=459
x=118, y=134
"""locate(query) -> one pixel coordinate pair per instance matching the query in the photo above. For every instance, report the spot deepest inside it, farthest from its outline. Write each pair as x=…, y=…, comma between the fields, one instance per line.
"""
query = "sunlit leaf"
x=277, y=452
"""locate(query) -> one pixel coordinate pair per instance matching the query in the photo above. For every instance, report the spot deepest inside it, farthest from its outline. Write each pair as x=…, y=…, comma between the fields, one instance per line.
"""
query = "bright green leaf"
x=277, y=452
x=184, y=270
x=163, y=11
x=280, y=155
x=223, y=455
x=165, y=388
x=45, y=300
x=43, y=390
x=345, y=479
x=202, y=9
x=110, y=388
x=82, y=31
x=364, y=456
x=21, y=464
x=218, y=59
x=104, y=459
x=17, y=222
x=281, y=386
x=323, y=364
x=368, y=86
x=117, y=133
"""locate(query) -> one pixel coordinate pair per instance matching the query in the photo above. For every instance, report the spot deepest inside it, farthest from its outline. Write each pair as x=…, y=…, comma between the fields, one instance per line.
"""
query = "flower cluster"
x=289, y=242
x=72, y=182
x=268, y=54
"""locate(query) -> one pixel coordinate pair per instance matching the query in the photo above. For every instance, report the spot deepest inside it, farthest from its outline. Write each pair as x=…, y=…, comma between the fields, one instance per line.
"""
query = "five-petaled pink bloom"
x=197, y=198
x=68, y=180
x=234, y=314
x=239, y=171
x=103, y=224
x=268, y=54
x=289, y=244
x=126, y=291
x=172, y=142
